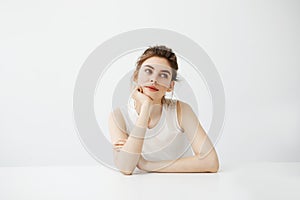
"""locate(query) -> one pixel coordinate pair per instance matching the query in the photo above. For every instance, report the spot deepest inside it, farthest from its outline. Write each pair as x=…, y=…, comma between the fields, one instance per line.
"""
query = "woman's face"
x=155, y=77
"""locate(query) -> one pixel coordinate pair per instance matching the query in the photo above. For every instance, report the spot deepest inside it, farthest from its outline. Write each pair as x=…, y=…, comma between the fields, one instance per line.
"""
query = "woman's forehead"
x=157, y=59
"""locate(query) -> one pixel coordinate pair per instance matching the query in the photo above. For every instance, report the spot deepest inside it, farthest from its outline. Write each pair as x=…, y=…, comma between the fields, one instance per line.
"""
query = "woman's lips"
x=152, y=89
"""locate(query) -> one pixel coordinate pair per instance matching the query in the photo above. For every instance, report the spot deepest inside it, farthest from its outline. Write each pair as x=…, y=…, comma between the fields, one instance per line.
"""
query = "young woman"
x=154, y=133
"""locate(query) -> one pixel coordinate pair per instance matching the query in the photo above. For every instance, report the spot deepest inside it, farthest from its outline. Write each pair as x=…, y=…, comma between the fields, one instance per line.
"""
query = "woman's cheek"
x=142, y=81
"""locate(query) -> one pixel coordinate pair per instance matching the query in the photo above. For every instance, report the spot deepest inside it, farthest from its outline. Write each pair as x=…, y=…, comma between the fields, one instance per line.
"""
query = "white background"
x=254, y=44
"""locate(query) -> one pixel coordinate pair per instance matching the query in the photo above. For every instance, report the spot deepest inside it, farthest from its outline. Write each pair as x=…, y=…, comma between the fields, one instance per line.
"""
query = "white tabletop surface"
x=260, y=180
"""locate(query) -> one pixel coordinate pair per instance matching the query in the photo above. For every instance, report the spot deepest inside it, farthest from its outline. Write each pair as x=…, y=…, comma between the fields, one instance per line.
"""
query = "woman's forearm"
x=187, y=164
x=128, y=156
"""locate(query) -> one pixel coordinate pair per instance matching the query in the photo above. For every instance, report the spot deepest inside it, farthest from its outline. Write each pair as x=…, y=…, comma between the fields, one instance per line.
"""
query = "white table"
x=261, y=180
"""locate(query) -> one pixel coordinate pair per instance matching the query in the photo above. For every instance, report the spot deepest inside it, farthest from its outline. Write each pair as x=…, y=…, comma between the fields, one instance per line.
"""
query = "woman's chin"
x=153, y=95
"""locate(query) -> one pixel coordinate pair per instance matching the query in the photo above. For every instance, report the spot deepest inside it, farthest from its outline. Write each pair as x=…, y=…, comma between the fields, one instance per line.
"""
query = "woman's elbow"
x=209, y=163
x=125, y=167
x=126, y=172
x=214, y=167
x=121, y=166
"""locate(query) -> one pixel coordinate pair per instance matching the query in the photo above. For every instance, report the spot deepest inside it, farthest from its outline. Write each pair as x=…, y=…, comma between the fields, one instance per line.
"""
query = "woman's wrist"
x=143, y=117
x=146, y=107
x=142, y=123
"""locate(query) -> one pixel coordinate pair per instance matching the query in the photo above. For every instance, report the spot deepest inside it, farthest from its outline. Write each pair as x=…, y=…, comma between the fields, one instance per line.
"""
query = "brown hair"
x=159, y=51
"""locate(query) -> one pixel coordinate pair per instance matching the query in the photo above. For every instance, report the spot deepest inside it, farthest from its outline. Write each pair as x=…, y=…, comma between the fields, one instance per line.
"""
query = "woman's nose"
x=153, y=79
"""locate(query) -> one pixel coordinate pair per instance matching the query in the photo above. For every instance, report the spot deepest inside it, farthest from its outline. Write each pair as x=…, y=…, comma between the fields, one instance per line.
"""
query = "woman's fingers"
x=140, y=96
x=119, y=144
x=140, y=89
x=120, y=140
x=137, y=91
x=117, y=148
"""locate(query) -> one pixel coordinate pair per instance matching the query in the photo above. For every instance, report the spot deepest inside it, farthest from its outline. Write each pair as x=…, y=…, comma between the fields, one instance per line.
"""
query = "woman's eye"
x=148, y=71
x=164, y=75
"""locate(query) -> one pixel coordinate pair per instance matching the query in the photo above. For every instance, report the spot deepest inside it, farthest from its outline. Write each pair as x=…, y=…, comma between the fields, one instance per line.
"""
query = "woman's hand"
x=119, y=144
x=142, y=99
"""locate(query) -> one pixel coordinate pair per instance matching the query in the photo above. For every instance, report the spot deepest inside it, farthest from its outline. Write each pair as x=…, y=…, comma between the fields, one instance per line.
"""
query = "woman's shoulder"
x=182, y=104
x=173, y=103
x=182, y=108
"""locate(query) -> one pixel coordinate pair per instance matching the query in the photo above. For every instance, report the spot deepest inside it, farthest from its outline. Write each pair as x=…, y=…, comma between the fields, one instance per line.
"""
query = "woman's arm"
x=186, y=164
x=127, y=157
x=205, y=158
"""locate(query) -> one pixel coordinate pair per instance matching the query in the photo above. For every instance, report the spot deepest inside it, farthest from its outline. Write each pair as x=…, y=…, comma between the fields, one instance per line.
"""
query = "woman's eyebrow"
x=167, y=71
